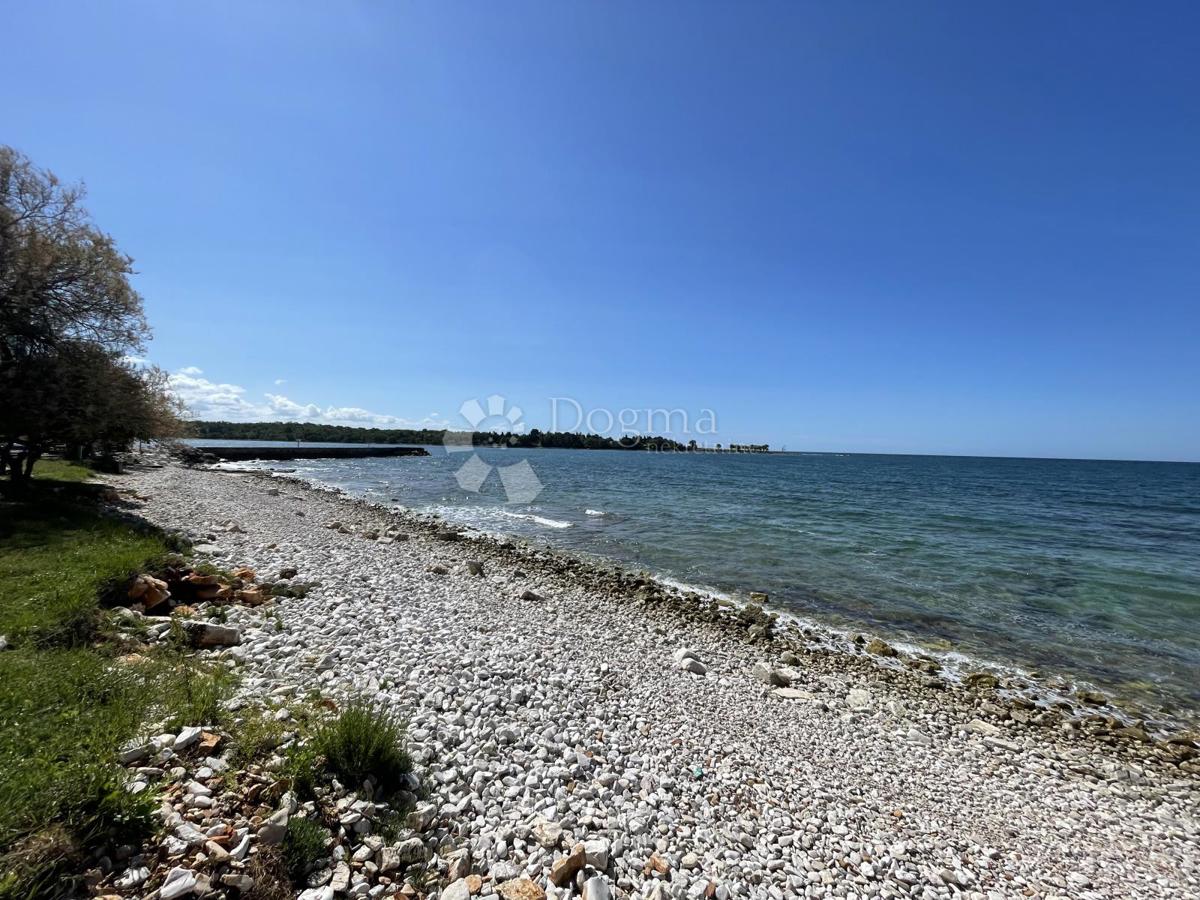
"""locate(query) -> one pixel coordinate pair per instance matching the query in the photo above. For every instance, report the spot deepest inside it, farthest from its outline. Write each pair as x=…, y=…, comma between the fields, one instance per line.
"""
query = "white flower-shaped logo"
x=521, y=484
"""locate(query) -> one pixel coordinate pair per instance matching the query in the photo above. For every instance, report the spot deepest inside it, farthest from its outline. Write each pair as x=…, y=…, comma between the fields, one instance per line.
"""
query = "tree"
x=82, y=397
x=61, y=278
x=68, y=318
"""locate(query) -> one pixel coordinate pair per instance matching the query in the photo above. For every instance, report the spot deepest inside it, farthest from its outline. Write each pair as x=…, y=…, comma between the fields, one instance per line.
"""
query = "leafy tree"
x=61, y=277
x=84, y=398
x=68, y=318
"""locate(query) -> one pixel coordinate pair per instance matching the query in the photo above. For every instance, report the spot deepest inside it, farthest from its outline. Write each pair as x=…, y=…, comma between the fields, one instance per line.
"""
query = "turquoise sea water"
x=1091, y=569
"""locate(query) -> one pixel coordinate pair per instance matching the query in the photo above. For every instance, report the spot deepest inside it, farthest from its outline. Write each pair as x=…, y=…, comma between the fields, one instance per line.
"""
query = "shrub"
x=193, y=695
x=364, y=741
x=303, y=847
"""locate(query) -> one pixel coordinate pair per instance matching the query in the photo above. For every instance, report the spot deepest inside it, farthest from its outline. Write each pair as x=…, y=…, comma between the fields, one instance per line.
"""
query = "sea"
x=1084, y=569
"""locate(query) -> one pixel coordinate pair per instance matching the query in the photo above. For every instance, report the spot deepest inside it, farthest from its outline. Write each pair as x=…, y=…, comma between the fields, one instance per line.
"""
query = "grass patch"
x=61, y=470
x=56, y=560
x=303, y=847
x=67, y=704
x=364, y=741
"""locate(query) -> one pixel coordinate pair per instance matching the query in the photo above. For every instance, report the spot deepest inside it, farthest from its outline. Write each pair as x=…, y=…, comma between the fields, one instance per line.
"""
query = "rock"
x=210, y=634
x=693, y=665
x=411, y=851
x=547, y=833
x=274, y=829
x=532, y=596
x=133, y=877
x=288, y=573
x=187, y=737
x=474, y=567
x=759, y=597
x=457, y=890
x=565, y=868
x=978, y=726
x=858, y=699
x=789, y=659
x=255, y=596
x=788, y=693
x=422, y=817
x=1133, y=733
x=389, y=860
x=448, y=535
x=1092, y=698
x=596, y=888
x=239, y=881
x=1001, y=744
x=458, y=864
x=767, y=675
x=520, y=889
x=149, y=591
x=981, y=681
x=179, y=883
x=656, y=865
x=439, y=570
x=881, y=648
x=596, y=853
x=341, y=878
x=684, y=653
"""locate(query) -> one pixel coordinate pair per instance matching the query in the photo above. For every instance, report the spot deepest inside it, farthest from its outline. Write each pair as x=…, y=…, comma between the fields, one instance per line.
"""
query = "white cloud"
x=212, y=400
x=280, y=381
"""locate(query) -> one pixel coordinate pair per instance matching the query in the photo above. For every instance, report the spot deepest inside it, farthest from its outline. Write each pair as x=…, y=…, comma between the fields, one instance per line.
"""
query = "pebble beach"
x=694, y=750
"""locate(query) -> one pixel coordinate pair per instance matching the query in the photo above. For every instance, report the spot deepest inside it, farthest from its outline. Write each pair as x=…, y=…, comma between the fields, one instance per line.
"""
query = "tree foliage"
x=69, y=317
x=344, y=434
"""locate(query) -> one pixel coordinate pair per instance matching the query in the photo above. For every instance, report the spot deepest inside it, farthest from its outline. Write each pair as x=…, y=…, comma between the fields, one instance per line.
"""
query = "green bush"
x=303, y=847
x=364, y=741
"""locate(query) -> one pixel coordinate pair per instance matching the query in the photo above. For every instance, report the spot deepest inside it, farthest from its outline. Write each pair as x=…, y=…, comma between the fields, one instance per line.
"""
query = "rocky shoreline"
x=707, y=749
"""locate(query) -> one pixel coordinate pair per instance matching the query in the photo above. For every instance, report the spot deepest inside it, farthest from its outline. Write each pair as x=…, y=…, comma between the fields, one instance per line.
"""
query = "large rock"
x=881, y=648
x=859, y=699
x=149, y=591
x=692, y=665
x=596, y=888
x=767, y=675
x=981, y=727
x=411, y=851
x=422, y=817
x=520, y=889
x=565, y=868
x=547, y=833
x=457, y=890
x=274, y=829
x=596, y=853
x=210, y=634
x=179, y=883
x=981, y=681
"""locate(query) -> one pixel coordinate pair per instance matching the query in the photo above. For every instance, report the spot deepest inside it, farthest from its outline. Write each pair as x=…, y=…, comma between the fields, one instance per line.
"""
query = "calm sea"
x=1091, y=569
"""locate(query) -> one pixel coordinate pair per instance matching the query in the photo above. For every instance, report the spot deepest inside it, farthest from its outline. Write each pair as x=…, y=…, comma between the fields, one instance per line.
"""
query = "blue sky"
x=917, y=227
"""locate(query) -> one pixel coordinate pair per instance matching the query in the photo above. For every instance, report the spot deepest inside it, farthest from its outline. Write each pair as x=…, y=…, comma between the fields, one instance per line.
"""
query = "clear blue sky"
x=898, y=227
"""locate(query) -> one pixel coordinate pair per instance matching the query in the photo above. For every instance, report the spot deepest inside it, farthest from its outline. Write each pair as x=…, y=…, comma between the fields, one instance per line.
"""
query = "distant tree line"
x=69, y=322
x=345, y=434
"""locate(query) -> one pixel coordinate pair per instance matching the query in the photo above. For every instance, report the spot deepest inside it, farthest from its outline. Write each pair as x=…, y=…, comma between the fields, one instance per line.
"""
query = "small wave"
x=595, y=512
x=540, y=520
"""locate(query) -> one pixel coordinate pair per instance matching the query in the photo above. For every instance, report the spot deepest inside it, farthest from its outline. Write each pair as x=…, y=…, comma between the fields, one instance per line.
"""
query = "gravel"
x=666, y=745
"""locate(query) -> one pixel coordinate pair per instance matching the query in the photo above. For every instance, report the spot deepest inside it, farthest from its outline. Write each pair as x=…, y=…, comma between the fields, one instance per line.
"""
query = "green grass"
x=364, y=741
x=56, y=559
x=61, y=470
x=303, y=846
x=67, y=704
